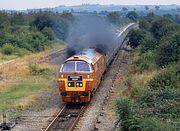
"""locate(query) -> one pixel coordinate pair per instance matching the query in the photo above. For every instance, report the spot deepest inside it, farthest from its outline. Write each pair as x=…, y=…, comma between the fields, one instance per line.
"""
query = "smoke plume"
x=90, y=31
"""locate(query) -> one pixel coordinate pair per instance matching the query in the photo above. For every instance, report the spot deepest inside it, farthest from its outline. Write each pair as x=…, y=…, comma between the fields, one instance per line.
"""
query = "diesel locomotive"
x=81, y=74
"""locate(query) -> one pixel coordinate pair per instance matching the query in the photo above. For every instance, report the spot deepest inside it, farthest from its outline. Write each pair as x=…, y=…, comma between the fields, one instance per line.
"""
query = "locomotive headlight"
x=88, y=76
x=77, y=84
x=70, y=84
x=62, y=76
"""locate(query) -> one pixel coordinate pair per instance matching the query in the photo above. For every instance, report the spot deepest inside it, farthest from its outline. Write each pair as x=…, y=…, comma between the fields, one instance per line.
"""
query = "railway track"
x=66, y=118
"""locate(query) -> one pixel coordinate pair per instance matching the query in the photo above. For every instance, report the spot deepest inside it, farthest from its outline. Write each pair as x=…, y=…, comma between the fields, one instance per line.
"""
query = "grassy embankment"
x=23, y=79
x=153, y=99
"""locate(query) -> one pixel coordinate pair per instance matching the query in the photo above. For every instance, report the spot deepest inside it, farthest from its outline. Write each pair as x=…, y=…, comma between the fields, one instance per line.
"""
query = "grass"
x=19, y=89
x=48, y=49
x=21, y=95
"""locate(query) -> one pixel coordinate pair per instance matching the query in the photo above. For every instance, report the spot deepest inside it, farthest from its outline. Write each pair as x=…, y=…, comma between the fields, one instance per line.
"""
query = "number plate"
x=74, y=78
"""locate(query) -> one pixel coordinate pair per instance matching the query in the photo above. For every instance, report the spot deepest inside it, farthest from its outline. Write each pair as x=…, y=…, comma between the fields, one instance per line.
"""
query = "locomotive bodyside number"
x=74, y=78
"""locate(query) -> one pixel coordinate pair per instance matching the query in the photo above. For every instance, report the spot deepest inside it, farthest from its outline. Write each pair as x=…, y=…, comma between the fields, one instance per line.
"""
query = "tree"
x=169, y=16
x=162, y=26
x=148, y=43
x=113, y=17
x=144, y=24
x=157, y=7
x=41, y=21
x=48, y=32
x=132, y=15
x=135, y=37
x=147, y=7
x=169, y=50
x=124, y=9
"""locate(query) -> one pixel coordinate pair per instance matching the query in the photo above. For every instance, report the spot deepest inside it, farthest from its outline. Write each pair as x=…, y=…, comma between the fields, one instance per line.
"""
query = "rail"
x=66, y=118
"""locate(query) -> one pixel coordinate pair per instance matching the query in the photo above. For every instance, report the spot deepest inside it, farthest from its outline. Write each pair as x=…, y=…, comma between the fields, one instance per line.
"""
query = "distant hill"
x=100, y=8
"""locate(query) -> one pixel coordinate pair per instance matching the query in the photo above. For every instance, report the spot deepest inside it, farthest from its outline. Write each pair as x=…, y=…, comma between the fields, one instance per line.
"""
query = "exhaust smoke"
x=90, y=31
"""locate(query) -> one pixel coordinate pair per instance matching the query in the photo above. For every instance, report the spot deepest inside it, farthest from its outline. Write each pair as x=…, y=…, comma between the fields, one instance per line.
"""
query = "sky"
x=29, y=4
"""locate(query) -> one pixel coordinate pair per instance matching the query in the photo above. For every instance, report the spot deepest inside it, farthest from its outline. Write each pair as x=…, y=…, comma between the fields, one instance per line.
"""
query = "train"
x=80, y=75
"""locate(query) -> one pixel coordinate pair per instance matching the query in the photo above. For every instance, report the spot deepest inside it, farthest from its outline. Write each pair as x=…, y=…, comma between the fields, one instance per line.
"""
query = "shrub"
x=8, y=49
x=145, y=61
x=155, y=124
x=48, y=32
x=132, y=15
x=36, y=70
x=169, y=50
x=144, y=24
x=162, y=26
x=124, y=109
x=163, y=80
x=148, y=43
x=135, y=37
x=22, y=51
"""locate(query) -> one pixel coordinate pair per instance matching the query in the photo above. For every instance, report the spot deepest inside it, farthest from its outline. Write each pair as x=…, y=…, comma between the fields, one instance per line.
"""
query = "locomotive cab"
x=76, y=81
x=80, y=76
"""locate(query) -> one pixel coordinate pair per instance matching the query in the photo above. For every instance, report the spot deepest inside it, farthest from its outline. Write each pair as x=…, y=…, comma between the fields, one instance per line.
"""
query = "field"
x=23, y=79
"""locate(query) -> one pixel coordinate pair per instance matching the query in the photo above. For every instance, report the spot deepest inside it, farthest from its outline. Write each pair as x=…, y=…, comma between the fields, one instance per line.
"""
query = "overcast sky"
x=27, y=4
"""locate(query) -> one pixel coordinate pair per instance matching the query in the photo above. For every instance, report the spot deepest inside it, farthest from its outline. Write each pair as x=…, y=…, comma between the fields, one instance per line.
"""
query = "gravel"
x=100, y=115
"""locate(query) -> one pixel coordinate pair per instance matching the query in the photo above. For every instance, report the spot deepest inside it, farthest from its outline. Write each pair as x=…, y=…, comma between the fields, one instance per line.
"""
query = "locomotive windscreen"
x=76, y=66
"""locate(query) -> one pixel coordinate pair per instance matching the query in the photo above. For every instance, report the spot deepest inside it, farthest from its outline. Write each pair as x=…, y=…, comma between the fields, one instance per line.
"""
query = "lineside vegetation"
x=153, y=78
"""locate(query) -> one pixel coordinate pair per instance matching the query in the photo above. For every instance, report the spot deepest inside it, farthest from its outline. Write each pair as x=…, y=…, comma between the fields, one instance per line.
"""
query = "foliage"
x=36, y=70
x=155, y=92
x=41, y=21
x=135, y=37
x=48, y=32
x=132, y=15
x=124, y=109
x=144, y=24
x=162, y=26
x=8, y=49
x=113, y=17
x=148, y=43
x=169, y=50
x=163, y=80
x=30, y=32
x=145, y=61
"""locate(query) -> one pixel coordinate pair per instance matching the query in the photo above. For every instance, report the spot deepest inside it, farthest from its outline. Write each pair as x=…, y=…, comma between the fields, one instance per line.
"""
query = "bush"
x=161, y=26
x=155, y=124
x=8, y=49
x=132, y=15
x=169, y=50
x=144, y=24
x=22, y=51
x=145, y=61
x=148, y=43
x=48, y=32
x=36, y=70
x=135, y=37
x=124, y=109
x=163, y=80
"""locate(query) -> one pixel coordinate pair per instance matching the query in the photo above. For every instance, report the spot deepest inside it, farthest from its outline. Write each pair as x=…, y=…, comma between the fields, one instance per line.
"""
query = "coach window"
x=82, y=66
x=68, y=67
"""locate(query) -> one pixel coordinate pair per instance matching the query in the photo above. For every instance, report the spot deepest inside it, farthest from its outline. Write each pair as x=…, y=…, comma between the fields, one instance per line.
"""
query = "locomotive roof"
x=89, y=55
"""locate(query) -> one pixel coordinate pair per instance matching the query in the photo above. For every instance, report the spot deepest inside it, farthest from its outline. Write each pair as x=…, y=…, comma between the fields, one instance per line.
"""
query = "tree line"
x=31, y=32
